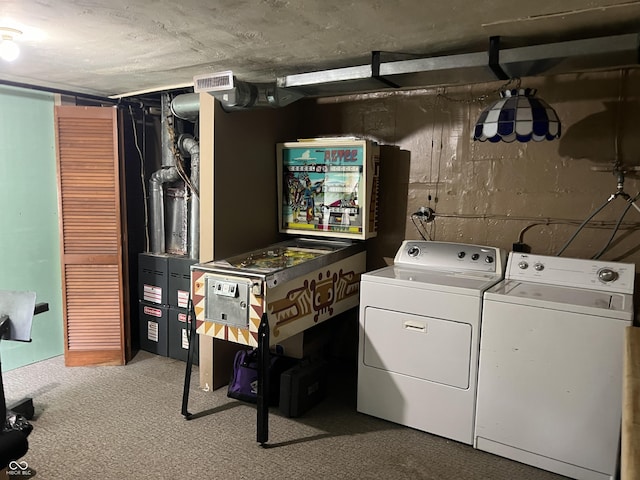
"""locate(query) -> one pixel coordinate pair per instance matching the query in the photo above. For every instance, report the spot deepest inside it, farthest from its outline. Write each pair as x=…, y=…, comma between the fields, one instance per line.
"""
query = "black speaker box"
x=303, y=386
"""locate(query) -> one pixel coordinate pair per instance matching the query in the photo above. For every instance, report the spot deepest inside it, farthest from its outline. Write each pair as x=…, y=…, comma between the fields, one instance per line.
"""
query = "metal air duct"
x=549, y=59
x=415, y=72
x=237, y=95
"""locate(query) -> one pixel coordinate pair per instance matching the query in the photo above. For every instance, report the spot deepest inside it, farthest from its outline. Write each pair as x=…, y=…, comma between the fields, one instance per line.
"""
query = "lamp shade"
x=517, y=115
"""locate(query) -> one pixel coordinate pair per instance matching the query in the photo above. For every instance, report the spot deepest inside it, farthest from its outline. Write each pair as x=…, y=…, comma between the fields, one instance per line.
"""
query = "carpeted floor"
x=125, y=423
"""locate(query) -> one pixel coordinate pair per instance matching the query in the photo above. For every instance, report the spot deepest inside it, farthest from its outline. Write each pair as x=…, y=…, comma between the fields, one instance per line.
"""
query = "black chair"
x=13, y=446
x=16, y=314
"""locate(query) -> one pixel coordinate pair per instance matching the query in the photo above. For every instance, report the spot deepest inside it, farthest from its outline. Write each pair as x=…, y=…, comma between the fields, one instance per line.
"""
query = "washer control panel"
x=571, y=272
x=456, y=257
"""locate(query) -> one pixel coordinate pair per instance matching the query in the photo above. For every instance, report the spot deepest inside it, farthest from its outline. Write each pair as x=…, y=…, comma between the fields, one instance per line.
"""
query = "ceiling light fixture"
x=518, y=114
x=9, y=49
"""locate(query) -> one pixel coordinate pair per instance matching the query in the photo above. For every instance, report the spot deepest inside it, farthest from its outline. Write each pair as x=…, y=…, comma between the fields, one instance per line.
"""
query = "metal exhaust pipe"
x=188, y=145
x=167, y=174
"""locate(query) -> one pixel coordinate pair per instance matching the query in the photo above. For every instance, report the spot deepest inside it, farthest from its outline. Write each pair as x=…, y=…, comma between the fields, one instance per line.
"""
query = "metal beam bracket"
x=375, y=70
x=494, y=58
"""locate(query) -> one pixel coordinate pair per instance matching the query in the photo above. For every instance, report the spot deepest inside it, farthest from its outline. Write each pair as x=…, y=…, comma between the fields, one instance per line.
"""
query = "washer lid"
x=577, y=300
x=466, y=283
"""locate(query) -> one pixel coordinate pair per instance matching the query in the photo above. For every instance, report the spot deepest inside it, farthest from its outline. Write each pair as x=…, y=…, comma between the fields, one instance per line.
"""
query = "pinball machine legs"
x=262, y=425
x=263, y=382
x=191, y=323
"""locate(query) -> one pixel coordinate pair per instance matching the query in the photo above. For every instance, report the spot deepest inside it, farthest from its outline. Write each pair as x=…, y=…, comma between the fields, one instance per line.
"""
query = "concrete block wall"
x=487, y=193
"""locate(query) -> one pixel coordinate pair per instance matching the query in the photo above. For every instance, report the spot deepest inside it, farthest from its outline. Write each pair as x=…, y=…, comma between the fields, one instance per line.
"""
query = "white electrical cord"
x=144, y=185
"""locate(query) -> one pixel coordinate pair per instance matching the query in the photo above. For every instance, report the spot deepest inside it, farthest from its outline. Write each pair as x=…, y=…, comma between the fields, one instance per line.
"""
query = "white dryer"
x=551, y=355
x=419, y=335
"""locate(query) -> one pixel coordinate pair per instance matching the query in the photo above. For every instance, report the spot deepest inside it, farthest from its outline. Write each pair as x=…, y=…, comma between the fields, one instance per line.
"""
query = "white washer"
x=551, y=354
x=419, y=336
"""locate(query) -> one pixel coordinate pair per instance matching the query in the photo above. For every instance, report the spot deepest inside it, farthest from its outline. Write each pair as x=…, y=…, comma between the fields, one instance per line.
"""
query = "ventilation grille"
x=88, y=186
x=213, y=82
x=93, y=307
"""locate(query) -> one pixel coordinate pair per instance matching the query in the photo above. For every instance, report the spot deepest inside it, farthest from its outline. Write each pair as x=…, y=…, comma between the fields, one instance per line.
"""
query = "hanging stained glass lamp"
x=518, y=115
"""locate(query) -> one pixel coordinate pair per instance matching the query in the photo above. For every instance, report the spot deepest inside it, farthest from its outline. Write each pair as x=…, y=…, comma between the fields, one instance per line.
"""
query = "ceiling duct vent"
x=237, y=95
x=213, y=82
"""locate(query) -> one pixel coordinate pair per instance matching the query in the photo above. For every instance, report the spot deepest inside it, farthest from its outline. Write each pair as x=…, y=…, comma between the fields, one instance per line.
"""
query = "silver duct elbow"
x=186, y=106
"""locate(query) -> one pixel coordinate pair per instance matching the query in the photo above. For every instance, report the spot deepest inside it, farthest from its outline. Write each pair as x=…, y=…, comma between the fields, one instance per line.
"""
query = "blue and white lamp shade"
x=517, y=115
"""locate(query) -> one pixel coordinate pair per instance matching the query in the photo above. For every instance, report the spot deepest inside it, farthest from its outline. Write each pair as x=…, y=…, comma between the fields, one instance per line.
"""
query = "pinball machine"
x=327, y=204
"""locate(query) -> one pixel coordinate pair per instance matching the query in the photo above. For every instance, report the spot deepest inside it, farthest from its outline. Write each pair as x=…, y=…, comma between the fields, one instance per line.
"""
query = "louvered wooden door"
x=91, y=235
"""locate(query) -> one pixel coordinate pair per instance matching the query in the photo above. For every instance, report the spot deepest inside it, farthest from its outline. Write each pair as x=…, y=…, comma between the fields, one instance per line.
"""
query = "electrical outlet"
x=521, y=247
x=425, y=213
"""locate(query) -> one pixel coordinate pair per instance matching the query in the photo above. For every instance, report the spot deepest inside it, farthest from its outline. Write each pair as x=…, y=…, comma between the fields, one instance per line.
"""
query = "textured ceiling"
x=121, y=47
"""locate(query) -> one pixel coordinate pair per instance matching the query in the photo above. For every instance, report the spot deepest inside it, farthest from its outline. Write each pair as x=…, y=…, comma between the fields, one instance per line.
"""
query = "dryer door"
x=423, y=347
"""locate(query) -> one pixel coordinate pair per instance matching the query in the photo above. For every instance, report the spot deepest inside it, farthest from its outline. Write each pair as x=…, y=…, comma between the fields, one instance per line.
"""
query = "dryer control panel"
x=454, y=257
x=572, y=272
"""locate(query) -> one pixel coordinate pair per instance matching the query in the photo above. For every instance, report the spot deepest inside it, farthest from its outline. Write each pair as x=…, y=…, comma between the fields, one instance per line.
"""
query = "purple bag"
x=244, y=376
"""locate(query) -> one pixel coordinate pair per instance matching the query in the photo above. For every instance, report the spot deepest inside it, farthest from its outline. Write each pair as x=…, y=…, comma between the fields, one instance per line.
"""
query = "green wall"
x=29, y=241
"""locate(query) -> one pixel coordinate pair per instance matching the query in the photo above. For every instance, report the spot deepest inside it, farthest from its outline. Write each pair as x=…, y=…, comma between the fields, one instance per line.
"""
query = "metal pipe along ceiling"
x=468, y=68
